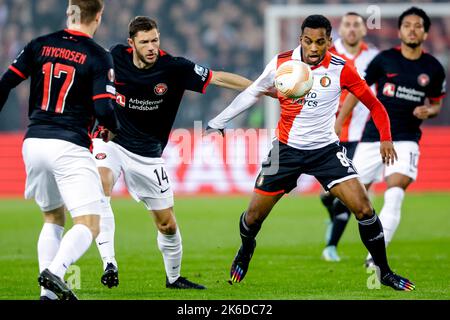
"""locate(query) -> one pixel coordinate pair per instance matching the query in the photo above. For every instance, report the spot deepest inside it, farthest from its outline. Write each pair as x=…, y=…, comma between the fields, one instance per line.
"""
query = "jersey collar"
x=77, y=33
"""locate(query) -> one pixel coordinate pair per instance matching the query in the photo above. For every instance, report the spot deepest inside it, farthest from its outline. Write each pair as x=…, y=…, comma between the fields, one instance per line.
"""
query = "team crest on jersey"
x=423, y=79
x=389, y=89
x=121, y=100
x=111, y=75
x=325, y=81
x=160, y=89
x=100, y=156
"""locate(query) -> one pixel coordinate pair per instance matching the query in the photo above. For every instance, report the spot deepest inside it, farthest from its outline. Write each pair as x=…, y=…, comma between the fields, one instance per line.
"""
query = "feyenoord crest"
x=160, y=89
x=100, y=156
x=423, y=79
x=325, y=81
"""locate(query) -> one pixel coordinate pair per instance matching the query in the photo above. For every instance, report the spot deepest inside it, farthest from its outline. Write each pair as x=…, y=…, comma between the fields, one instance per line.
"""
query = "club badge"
x=161, y=89
x=325, y=81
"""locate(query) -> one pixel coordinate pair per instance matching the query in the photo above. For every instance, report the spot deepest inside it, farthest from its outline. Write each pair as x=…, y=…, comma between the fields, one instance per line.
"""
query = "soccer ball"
x=294, y=79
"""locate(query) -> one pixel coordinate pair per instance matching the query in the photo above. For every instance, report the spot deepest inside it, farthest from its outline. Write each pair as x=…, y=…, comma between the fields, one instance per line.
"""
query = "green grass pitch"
x=286, y=264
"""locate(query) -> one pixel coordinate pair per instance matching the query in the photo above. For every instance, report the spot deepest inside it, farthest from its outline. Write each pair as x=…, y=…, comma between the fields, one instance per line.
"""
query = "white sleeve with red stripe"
x=248, y=97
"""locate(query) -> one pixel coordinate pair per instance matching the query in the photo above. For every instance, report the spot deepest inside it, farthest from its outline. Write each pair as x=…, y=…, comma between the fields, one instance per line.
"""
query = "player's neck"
x=89, y=30
x=353, y=50
x=140, y=64
x=411, y=53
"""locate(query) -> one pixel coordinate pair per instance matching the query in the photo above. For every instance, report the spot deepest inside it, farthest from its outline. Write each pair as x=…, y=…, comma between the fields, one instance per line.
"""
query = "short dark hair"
x=417, y=12
x=317, y=21
x=141, y=23
x=88, y=9
x=353, y=13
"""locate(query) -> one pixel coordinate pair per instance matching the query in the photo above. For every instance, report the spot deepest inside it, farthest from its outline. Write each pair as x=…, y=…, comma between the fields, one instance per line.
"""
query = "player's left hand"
x=421, y=112
x=388, y=153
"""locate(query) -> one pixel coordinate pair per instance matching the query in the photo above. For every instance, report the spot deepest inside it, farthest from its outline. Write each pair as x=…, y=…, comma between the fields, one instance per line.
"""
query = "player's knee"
x=255, y=216
x=57, y=216
x=364, y=211
x=107, y=178
x=92, y=222
x=95, y=230
x=169, y=227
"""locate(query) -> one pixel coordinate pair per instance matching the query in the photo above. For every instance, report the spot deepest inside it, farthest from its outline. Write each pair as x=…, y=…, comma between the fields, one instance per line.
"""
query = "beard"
x=413, y=45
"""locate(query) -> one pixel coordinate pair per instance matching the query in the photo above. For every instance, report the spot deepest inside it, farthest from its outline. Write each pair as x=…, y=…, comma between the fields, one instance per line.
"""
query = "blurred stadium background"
x=224, y=35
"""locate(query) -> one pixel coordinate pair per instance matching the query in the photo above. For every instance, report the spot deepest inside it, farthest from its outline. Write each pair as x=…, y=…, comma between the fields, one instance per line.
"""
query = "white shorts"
x=146, y=178
x=369, y=164
x=62, y=173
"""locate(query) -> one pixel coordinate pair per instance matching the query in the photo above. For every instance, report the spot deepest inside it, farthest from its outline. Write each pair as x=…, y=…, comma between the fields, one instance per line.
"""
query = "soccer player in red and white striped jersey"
x=307, y=143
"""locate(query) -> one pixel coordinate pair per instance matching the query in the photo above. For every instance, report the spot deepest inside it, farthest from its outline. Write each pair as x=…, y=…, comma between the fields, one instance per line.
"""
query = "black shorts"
x=351, y=148
x=279, y=174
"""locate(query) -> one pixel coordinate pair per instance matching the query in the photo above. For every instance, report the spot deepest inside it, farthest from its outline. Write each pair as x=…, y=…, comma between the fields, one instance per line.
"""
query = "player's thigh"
x=39, y=156
x=354, y=195
x=79, y=181
x=408, y=160
x=279, y=171
x=367, y=161
x=147, y=181
x=107, y=155
x=330, y=166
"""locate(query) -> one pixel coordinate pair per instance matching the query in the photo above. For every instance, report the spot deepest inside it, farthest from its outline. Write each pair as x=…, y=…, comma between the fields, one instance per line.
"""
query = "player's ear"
x=131, y=42
x=425, y=36
x=364, y=30
x=98, y=16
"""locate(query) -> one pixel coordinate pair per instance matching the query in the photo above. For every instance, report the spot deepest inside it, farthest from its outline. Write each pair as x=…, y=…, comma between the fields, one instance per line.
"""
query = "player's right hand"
x=388, y=153
x=210, y=130
x=107, y=135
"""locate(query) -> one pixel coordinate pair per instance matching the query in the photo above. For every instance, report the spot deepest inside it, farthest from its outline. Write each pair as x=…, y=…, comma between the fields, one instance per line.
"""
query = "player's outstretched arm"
x=242, y=102
x=230, y=80
x=263, y=85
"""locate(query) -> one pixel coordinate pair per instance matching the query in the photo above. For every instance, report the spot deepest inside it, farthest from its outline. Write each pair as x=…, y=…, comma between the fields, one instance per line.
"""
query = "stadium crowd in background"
x=218, y=34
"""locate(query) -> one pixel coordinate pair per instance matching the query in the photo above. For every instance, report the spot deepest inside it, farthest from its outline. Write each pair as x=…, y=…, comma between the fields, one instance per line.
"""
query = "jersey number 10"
x=51, y=71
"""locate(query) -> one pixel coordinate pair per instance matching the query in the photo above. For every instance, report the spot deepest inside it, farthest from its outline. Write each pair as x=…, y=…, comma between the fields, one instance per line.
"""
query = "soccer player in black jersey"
x=150, y=85
x=411, y=85
x=71, y=85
